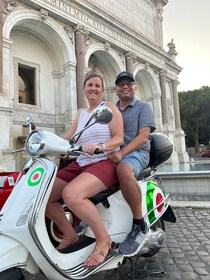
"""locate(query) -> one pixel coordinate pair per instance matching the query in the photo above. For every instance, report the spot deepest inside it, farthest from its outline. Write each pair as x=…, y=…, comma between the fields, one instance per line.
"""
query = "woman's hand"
x=90, y=148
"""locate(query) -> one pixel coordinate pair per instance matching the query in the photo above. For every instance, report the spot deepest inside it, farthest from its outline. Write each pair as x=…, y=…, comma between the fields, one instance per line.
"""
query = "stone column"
x=164, y=103
x=1, y=47
x=129, y=62
x=80, y=68
x=176, y=105
x=179, y=135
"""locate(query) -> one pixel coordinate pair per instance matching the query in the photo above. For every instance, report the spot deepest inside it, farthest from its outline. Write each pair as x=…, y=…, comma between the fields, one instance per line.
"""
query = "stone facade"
x=58, y=41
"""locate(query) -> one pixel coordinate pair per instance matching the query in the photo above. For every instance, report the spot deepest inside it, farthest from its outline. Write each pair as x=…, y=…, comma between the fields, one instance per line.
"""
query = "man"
x=133, y=157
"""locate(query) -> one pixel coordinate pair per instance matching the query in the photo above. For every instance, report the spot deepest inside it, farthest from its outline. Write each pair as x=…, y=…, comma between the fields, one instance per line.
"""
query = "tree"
x=195, y=116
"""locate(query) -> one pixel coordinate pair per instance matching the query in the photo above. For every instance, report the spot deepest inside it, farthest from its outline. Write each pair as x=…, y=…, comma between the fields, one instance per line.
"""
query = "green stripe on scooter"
x=149, y=200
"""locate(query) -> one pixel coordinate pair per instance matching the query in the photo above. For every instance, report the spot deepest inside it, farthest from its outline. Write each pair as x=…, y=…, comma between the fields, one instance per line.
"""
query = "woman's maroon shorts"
x=104, y=170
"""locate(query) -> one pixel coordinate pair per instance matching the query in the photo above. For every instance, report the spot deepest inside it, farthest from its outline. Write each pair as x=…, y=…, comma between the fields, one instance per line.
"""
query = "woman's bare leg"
x=55, y=212
x=75, y=195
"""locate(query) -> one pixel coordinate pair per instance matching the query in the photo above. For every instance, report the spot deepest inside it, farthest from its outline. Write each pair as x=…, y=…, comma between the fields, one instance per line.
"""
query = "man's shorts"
x=104, y=170
x=138, y=160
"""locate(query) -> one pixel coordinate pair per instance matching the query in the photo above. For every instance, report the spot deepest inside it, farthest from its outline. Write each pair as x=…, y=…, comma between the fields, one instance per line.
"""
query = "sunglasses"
x=128, y=84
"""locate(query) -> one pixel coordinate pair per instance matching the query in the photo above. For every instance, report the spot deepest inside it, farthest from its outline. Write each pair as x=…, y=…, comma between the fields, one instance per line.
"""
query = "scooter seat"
x=143, y=174
x=102, y=197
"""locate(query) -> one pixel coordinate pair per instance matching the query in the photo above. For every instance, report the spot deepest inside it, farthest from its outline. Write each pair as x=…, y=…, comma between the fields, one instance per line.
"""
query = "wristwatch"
x=102, y=145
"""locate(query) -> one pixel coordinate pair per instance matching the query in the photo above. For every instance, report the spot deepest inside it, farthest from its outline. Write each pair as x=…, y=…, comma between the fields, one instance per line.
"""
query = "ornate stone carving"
x=9, y=6
x=121, y=56
x=80, y=28
x=107, y=46
x=172, y=50
x=171, y=46
x=93, y=65
x=160, y=12
x=163, y=72
x=146, y=65
x=131, y=55
x=69, y=32
x=175, y=83
x=93, y=62
x=88, y=40
x=44, y=14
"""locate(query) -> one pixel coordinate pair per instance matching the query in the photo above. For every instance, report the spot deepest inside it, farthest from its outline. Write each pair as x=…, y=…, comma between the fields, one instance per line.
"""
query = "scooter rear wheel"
x=160, y=224
x=12, y=274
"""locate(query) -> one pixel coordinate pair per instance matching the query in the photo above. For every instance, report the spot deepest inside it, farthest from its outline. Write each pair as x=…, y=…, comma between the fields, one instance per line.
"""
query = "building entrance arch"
x=36, y=41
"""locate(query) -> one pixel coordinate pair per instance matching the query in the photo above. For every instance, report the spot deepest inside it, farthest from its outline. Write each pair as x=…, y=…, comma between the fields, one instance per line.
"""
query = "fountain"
x=188, y=183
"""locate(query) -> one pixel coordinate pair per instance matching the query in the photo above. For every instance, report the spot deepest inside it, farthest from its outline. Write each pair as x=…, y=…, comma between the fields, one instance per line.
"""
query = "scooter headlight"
x=35, y=143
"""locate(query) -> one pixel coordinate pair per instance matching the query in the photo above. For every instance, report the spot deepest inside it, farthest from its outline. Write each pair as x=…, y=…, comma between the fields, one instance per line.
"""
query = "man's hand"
x=115, y=156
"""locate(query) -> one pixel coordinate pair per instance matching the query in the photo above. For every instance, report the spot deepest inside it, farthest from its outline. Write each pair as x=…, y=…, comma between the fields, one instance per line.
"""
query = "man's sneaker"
x=134, y=241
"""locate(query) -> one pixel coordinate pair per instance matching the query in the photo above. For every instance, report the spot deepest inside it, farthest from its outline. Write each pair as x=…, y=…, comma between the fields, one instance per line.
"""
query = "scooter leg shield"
x=12, y=253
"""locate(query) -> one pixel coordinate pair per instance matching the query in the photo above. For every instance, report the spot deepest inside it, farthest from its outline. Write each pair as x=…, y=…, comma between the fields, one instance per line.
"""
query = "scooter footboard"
x=12, y=253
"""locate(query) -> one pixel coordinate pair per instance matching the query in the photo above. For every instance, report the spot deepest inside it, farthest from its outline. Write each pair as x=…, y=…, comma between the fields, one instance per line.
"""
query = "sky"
x=187, y=22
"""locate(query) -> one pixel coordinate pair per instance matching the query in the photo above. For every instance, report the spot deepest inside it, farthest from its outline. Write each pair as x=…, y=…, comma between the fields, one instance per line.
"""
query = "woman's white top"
x=97, y=133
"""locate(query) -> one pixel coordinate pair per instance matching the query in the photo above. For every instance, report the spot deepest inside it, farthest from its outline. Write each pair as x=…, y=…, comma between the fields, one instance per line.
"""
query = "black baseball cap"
x=124, y=75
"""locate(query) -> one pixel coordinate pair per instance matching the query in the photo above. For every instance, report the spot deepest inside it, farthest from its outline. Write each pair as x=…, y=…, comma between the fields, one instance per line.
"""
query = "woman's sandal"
x=100, y=251
x=66, y=242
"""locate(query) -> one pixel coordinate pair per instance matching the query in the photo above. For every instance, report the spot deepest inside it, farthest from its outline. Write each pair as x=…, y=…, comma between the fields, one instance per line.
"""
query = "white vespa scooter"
x=24, y=240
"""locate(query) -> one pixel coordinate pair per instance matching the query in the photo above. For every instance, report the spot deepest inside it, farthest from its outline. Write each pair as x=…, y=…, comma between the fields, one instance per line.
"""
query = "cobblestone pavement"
x=186, y=254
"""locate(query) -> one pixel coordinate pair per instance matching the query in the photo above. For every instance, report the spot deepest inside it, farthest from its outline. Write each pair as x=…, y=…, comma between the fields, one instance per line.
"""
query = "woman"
x=88, y=176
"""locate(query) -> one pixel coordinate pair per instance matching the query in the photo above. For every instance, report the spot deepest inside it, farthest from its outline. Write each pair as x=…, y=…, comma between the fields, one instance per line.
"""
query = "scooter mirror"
x=30, y=123
x=102, y=114
x=29, y=120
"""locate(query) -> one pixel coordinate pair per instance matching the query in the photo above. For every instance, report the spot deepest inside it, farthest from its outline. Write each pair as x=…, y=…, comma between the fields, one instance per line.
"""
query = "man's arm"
x=137, y=142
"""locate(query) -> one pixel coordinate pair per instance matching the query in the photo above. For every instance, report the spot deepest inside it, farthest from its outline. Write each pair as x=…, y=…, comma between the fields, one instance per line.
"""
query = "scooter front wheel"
x=54, y=233
x=12, y=274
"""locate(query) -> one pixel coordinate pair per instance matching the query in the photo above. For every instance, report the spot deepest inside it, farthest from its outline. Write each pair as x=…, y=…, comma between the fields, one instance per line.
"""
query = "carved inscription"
x=137, y=14
x=98, y=26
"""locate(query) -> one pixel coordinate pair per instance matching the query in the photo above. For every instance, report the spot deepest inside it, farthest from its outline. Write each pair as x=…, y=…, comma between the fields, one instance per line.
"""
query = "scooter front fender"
x=13, y=254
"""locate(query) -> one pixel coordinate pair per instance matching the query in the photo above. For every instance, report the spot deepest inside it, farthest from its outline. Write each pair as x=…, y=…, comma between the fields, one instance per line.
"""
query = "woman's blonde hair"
x=92, y=74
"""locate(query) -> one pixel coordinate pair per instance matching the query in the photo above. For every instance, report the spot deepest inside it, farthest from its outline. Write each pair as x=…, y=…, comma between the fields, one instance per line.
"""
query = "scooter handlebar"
x=78, y=150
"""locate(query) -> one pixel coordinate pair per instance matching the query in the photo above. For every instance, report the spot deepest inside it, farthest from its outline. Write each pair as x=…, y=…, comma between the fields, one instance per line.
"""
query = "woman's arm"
x=72, y=129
